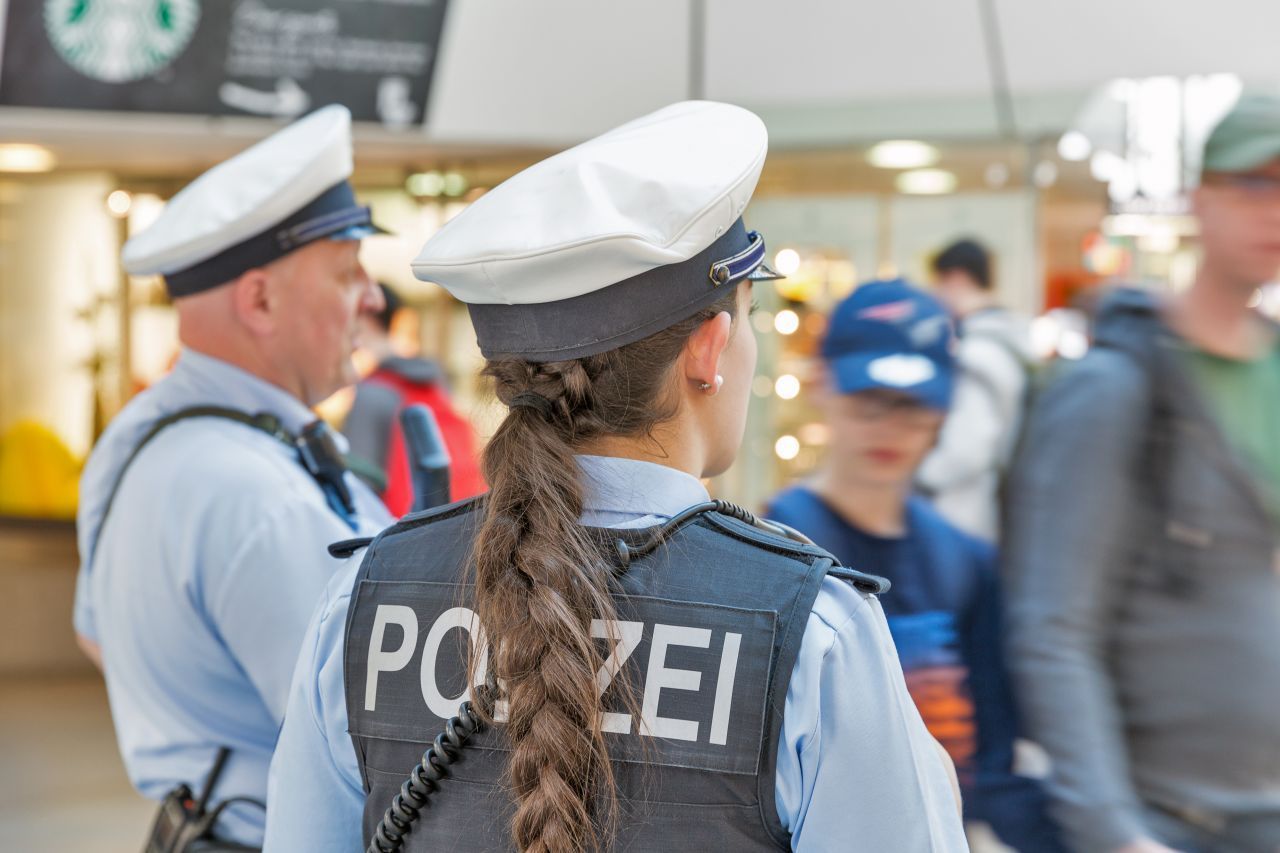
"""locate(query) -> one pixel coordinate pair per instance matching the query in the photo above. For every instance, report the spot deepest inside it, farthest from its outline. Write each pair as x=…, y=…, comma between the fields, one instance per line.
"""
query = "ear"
x=703, y=350
x=255, y=301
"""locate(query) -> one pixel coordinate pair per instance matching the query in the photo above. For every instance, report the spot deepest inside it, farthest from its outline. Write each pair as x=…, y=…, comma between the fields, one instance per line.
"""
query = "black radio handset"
x=320, y=456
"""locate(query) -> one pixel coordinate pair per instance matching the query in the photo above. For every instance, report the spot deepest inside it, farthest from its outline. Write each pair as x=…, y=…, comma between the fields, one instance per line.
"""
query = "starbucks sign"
x=116, y=41
x=274, y=58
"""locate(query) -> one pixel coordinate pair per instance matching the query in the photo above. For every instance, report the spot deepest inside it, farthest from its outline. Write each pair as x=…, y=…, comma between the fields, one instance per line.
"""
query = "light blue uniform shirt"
x=204, y=578
x=856, y=768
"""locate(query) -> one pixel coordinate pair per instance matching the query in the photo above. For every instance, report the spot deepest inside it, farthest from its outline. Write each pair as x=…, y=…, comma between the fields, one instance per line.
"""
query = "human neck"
x=225, y=347
x=874, y=508
x=1214, y=315
x=973, y=301
x=664, y=447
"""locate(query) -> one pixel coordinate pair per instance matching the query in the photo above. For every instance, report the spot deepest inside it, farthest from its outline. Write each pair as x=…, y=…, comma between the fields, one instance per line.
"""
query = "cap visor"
x=764, y=272
x=357, y=232
x=852, y=374
x=1244, y=154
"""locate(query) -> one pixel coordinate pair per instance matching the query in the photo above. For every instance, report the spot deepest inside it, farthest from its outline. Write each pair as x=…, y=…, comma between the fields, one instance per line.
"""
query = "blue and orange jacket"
x=944, y=613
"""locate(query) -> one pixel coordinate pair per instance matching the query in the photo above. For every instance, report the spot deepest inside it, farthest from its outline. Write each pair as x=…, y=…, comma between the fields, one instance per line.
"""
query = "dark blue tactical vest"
x=709, y=627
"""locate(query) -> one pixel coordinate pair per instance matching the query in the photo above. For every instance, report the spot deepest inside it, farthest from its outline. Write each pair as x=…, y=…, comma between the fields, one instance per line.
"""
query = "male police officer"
x=208, y=503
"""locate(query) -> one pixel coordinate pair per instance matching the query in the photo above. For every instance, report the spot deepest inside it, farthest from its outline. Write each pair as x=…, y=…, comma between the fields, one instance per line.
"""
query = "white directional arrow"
x=288, y=100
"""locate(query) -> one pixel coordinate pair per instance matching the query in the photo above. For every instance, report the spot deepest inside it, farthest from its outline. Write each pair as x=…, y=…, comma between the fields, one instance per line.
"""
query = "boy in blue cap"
x=889, y=376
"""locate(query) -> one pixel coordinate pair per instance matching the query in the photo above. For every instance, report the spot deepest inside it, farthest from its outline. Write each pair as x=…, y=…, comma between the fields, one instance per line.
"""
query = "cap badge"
x=729, y=269
x=902, y=371
x=889, y=312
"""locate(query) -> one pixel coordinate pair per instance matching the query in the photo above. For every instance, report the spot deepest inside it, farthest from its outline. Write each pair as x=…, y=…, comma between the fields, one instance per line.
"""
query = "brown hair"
x=540, y=581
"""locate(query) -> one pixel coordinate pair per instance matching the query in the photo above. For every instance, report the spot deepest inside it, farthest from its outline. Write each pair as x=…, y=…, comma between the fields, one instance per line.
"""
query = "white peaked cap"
x=635, y=207
x=292, y=184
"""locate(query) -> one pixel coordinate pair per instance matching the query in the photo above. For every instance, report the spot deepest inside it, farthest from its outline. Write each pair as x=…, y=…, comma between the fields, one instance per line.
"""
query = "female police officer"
x=652, y=670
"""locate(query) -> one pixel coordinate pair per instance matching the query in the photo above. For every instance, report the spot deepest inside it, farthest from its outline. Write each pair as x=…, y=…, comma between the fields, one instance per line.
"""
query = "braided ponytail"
x=540, y=581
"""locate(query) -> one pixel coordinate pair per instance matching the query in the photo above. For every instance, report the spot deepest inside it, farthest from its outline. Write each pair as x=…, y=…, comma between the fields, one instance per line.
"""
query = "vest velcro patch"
x=700, y=672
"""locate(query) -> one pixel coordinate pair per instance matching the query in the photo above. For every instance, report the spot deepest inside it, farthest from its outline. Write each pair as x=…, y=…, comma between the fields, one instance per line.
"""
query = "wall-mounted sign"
x=275, y=58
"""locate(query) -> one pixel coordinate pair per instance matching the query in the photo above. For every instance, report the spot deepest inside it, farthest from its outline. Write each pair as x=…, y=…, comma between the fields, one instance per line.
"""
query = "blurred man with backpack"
x=1142, y=549
x=964, y=473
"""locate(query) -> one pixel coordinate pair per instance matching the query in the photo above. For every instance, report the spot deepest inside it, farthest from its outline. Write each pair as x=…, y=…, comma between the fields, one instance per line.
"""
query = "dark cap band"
x=334, y=212
x=621, y=313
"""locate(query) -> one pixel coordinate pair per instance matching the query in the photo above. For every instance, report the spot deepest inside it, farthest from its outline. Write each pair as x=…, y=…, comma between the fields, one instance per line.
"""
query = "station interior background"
x=1061, y=134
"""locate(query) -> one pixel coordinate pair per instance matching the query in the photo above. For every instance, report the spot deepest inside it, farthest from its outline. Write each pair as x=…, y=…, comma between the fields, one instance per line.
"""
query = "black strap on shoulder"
x=627, y=551
x=263, y=421
x=863, y=582
x=348, y=547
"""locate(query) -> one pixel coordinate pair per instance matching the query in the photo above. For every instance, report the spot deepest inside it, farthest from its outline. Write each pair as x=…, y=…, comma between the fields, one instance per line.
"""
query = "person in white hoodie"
x=962, y=475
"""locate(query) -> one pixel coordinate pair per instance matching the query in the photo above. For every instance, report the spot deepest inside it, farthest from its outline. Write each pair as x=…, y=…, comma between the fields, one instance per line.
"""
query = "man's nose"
x=372, y=300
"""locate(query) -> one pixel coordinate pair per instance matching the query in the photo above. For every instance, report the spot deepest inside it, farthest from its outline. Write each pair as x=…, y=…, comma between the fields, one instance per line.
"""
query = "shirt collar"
x=631, y=487
x=215, y=379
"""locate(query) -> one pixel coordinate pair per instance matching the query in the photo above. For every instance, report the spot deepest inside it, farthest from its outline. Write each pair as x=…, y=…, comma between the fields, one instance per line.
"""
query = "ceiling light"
x=430, y=184
x=787, y=447
x=787, y=261
x=786, y=322
x=1045, y=174
x=1074, y=146
x=454, y=184
x=926, y=182
x=1106, y=165
x=118, y=203
x=20, y=157
x=787, y=387
x=902, y=154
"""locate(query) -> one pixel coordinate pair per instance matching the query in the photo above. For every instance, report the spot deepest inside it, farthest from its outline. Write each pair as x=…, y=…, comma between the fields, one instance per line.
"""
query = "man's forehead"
x=1269, y=169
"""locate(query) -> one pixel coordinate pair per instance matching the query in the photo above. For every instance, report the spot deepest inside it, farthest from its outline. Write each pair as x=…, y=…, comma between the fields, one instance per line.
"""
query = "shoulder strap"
x=1017, y=356
x=263, y=421
x=862, y=581
x=822, y=525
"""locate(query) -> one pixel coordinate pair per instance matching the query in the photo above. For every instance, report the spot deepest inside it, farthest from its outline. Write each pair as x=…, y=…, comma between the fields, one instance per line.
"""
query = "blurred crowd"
x=1083, y=555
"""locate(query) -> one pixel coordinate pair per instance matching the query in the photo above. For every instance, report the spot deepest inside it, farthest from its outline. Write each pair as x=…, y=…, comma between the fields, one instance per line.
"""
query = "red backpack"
x=464, y=473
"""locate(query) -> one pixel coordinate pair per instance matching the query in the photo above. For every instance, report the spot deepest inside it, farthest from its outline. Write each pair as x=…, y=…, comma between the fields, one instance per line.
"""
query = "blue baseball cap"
x=891, y=335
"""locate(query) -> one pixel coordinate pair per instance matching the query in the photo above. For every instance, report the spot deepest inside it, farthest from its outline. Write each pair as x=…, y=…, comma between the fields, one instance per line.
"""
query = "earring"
x=713, y=388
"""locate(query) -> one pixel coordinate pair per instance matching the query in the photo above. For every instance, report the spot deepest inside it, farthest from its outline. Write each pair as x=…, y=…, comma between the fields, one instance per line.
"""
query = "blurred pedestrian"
x=889, y=377
x=373, y=424
x=207, y=505
x=964, y=474
x=1142, y=546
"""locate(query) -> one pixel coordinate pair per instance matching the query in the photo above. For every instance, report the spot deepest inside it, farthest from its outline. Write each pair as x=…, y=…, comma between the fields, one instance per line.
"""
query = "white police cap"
x=610, y=241
x=279, y=195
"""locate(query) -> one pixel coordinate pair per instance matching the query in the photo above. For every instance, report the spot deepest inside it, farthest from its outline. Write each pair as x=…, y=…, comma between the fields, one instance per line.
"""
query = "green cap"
x=1248, y=137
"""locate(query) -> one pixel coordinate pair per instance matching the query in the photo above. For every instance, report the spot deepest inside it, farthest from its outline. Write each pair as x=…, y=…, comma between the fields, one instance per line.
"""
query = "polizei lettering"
x=624, y=637
x=698, y=673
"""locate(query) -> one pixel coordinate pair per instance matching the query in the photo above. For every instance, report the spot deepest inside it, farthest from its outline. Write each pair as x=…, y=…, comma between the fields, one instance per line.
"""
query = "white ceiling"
x=809, y=51
x=821, y=72
x=558, y=70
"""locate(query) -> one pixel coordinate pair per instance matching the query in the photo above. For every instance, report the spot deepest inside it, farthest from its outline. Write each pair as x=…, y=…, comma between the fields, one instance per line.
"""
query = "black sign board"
x=277, y=58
